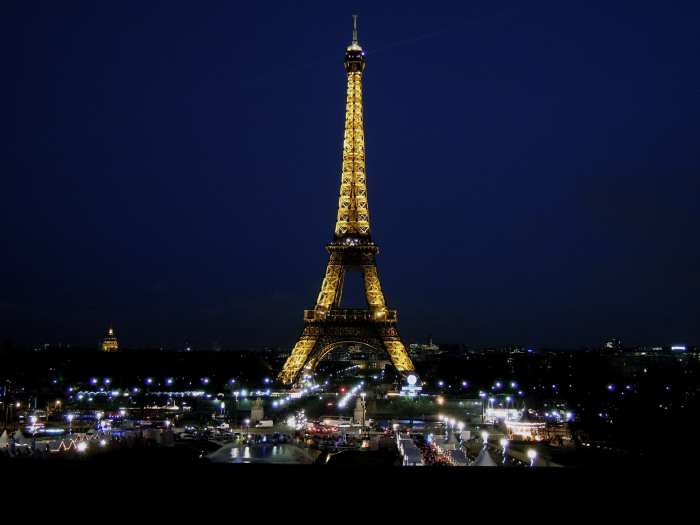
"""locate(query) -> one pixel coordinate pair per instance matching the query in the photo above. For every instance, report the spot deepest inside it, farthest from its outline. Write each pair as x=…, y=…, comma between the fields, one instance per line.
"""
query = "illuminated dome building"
x=110, y=343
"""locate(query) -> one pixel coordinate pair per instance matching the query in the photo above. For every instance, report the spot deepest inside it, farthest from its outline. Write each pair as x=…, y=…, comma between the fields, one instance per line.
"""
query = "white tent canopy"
x=19, y=438
x=484, y=459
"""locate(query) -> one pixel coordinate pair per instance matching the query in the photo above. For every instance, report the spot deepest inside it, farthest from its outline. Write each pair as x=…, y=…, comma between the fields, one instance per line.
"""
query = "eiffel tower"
x=328, y=326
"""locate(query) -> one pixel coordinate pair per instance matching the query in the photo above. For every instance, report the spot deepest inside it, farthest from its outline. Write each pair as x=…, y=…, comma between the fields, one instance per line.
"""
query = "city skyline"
x=161, y=176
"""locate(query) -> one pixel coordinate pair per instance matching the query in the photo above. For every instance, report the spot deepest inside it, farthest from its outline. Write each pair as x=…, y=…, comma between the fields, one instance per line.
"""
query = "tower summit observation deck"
x=328, y=326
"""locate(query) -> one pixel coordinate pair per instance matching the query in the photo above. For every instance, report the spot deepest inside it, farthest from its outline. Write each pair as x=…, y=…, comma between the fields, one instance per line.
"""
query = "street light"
x=532, y=454
x=70, y=417
x=504, y=445
x=364, y=409
x=485, y=437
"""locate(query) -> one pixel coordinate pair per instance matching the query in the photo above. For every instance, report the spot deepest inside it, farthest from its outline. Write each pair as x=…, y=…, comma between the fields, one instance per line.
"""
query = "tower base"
x=325, y=331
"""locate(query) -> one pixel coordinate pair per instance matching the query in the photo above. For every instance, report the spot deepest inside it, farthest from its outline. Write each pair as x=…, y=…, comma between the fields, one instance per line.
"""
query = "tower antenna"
x=354, y=29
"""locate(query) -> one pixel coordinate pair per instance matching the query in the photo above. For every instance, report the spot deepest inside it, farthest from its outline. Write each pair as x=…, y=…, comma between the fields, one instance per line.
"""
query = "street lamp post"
x=532, y=455
x=98, y=417
x=235, y=422
x=485, y=438
x=364, y=410
x=504, y=446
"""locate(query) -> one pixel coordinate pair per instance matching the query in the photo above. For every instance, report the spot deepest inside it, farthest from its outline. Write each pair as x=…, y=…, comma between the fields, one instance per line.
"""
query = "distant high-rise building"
x=110, y=343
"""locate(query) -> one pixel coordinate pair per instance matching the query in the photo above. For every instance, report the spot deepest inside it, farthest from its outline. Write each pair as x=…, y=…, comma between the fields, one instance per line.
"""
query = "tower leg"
x=330, y=287
x=373, y=289
x=298, y=358
x=397, y=353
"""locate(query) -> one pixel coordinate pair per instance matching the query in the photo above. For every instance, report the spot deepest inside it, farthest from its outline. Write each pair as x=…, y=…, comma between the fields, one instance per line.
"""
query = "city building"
x=110, y=343
x=421, y=352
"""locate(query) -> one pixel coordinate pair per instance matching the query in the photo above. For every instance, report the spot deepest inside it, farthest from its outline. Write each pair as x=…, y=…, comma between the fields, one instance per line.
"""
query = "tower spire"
x=353, y=211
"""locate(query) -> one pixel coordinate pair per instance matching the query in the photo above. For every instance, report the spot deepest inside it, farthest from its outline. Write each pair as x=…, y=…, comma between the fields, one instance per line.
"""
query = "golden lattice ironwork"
x=352, y=249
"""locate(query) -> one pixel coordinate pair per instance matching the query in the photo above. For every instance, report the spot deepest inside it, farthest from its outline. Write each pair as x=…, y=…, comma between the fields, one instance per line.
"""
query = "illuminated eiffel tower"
x=328, y=326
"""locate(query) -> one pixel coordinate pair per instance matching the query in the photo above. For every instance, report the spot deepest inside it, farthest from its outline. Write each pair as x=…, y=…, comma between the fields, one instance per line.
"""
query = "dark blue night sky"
x=173, y=168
